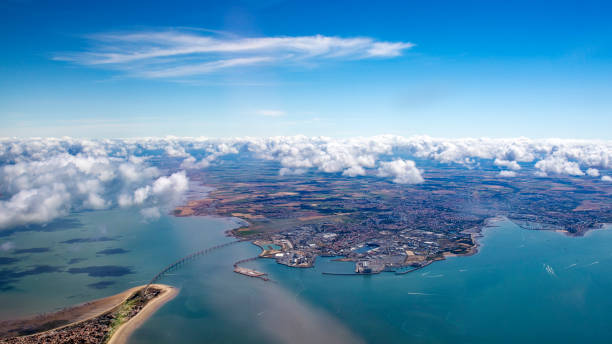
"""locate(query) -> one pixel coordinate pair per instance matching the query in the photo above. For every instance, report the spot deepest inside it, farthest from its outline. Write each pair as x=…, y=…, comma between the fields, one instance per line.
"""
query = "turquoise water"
x=124, y=250
x=523, y=286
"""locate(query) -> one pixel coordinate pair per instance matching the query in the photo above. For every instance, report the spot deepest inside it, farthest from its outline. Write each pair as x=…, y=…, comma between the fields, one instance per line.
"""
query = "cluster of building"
x=92, y=331
x=372, y=250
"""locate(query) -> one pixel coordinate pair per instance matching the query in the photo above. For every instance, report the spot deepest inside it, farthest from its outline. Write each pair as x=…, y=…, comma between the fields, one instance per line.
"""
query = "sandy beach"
x=124, y=332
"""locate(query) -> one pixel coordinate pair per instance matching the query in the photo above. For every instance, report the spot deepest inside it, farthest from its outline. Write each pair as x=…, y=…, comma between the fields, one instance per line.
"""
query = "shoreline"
x=477, y=235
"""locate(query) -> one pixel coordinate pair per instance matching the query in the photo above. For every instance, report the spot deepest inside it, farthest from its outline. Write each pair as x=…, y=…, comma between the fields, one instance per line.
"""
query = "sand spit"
x=110, y=319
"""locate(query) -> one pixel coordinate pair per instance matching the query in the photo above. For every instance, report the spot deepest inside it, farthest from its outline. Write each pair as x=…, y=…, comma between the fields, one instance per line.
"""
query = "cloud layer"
x=172, y=53
x=42, y=179
x=45, y=179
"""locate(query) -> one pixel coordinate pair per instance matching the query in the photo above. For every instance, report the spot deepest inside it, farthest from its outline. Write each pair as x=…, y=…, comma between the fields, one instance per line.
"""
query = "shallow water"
x=92, y=255
x=526, y=286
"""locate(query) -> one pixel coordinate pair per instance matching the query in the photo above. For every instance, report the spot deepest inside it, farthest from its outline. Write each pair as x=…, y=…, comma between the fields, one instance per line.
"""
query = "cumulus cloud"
x=191, y=163
x=402, y=171
x=507, y=174
x=356, y=156
x=212, y=151
x=299, y=153
x=77, y=175
x=164, y=190
x=512, y=165
x=354, y=171
x=559, y=166
x=593, y=172
x=606, y=178
x=173, y=53
x=291, y=171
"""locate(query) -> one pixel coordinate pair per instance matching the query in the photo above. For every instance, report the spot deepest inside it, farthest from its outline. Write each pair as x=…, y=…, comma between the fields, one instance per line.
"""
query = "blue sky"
x=261, y=68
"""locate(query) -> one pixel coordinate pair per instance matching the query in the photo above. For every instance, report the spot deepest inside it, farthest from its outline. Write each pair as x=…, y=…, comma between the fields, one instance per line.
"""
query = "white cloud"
x=512, y=165
x=593, y=172
x=559, y=166
x=354, y=171
x=606, y=178
x=213, y=149
x=355, y=156
x=164, y=190
x=171, y=53
x=203, y=68
x=284, y=171
x=300, y=153
x=507, y=174
x=168, y=187
x=402, y=171
x=46, y=179
x=190, y=163
x=388, y=49
x=271, y=113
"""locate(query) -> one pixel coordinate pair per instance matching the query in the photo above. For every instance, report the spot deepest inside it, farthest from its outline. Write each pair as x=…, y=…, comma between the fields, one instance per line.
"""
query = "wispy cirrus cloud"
x=172, y=53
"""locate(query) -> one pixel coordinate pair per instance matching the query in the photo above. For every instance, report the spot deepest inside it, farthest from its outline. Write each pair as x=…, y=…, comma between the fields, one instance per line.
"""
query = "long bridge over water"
x=187, y=259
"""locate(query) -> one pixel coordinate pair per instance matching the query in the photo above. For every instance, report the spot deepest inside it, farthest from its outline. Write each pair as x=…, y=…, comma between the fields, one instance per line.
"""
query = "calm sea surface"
x=523, y=286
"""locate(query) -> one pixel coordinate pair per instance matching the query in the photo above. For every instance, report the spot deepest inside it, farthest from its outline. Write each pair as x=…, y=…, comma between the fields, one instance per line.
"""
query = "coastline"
x=124, y=332
x=476, y=235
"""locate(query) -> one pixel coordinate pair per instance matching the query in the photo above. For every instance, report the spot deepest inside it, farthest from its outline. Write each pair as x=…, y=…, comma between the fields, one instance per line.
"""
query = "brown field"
x=588, y=205
x=283, y=193
x=248, y=216
x=183, y=211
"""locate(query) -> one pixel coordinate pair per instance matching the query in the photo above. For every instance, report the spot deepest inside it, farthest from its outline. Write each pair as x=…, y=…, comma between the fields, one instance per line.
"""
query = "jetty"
x=249, y=272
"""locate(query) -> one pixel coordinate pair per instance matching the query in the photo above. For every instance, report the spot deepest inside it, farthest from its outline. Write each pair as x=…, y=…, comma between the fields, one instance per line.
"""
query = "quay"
x=349, y=273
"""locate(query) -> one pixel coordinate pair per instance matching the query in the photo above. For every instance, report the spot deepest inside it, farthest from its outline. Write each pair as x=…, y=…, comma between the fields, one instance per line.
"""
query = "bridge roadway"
x=244, y=261
x=188, y=258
